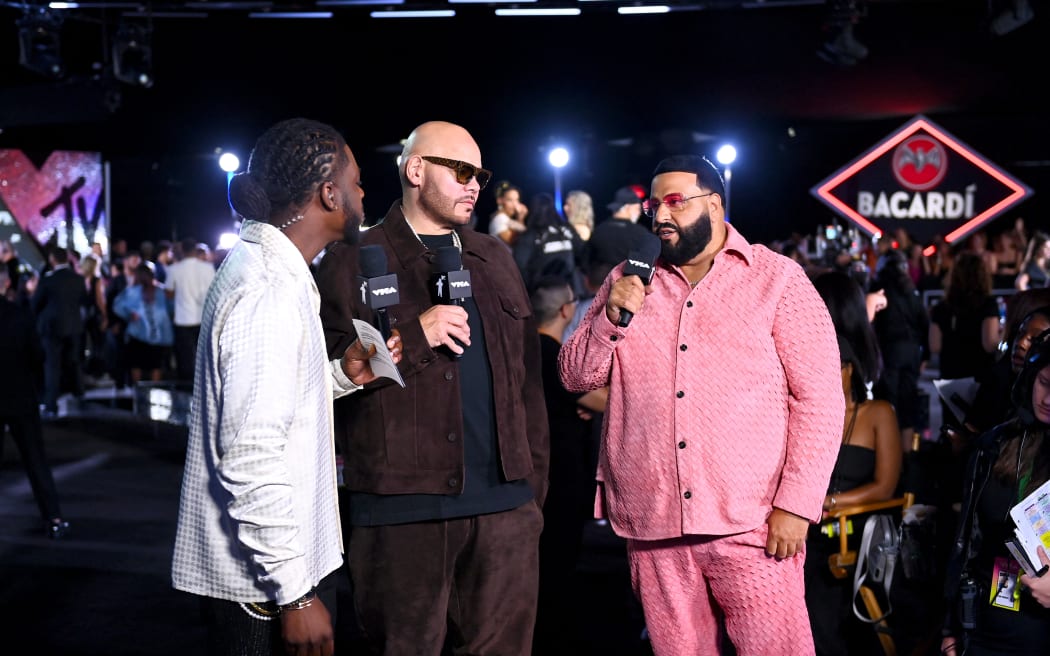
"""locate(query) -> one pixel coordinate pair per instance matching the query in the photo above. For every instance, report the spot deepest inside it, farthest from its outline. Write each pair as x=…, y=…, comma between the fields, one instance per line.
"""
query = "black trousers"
x=234, y=631
x=186, y=351
x=472, y=580
x=26, y=431
x=61, y=369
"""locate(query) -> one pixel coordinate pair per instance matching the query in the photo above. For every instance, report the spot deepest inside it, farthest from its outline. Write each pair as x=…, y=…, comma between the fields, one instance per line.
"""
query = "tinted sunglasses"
x=464, y=170
x=673, y=202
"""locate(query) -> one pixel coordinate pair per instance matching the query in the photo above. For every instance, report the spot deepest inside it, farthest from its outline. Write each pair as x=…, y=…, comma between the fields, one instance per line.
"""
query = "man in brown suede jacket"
x=448, y=474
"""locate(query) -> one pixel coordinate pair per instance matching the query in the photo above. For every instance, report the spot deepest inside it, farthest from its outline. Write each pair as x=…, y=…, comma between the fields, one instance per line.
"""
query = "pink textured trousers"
x=687, y=584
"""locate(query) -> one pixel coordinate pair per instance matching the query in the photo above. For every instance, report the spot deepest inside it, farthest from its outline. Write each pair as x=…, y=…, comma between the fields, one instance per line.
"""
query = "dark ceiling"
x=620, y=91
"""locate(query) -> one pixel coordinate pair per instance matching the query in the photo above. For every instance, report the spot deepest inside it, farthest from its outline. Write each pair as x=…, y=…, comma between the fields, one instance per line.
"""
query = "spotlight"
x=39, y=44
x=132, y=55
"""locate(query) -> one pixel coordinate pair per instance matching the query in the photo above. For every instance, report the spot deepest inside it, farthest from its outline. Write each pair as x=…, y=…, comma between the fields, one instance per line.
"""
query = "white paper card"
x=382, y=363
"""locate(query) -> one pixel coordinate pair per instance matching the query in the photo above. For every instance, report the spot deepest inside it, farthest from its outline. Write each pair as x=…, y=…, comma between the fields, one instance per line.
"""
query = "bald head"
x=441, y=139
x=440, y=171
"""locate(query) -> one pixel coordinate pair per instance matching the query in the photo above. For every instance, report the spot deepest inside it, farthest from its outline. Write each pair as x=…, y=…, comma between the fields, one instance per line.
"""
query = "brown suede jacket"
x=410, y=441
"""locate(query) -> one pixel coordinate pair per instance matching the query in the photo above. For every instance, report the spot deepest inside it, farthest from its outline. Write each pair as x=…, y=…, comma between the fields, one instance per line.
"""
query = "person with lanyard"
x=989, y=609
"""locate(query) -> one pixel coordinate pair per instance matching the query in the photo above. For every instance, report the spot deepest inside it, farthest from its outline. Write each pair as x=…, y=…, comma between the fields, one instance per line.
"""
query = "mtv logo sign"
x=923, y=179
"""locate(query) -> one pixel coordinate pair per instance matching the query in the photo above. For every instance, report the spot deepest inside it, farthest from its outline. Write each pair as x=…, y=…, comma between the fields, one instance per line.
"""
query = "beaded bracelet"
x=300, y=603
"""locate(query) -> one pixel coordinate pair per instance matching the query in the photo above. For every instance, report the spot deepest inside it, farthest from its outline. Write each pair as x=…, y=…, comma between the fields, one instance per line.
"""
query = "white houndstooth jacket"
x=258, y=515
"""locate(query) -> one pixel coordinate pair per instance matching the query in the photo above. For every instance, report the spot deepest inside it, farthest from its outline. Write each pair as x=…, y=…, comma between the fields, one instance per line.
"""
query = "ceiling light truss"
x=133, y=54
x=40, y=42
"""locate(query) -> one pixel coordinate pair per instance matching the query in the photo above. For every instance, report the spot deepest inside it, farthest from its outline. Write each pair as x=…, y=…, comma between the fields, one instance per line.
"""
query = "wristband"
x=300, y=603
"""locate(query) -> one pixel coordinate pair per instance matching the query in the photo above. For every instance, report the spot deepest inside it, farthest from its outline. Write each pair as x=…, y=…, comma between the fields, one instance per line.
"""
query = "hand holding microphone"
x=445, y=323
x=451, y=281
x=628, y=293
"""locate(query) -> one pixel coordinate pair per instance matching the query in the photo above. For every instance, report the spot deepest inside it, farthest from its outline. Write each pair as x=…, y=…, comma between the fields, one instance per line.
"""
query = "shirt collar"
x=273, y=240
x=736, y=243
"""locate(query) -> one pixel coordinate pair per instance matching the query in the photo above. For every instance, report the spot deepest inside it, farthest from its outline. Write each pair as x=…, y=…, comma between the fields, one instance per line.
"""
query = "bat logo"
x=920, y=163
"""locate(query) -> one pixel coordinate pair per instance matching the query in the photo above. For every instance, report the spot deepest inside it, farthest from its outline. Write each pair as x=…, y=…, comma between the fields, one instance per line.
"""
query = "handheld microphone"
x=641, y=262
x=451, y=280
x=378, y=288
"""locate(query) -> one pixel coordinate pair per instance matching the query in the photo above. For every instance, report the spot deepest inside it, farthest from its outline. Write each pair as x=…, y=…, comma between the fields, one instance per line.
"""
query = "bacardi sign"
x=922, y=179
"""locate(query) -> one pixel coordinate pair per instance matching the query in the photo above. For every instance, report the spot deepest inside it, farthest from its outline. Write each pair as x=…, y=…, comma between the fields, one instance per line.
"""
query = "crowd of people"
x=113, y=318
x=712, y=405
x=86, y=320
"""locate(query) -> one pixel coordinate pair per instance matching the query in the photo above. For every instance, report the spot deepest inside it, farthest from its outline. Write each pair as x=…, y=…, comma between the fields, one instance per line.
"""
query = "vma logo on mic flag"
x=451, y=281
x=380, y=292
x=644, y=270
x=453, y=286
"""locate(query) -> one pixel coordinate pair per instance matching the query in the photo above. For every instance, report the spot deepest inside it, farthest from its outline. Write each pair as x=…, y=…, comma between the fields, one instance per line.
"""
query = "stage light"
x=133, y=55
x=39, y=44
x=558, y=157
x=228, y=240
x=841, y=46
x=1016, y=14
x=542, y=11
x=411, y=13
x=643, y=9
x=229, y=162
x=726, y=155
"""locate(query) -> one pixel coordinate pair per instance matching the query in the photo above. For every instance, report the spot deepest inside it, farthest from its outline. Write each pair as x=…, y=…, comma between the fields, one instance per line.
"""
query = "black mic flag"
x=451, y=280
x=641, y=262
x=378, y=288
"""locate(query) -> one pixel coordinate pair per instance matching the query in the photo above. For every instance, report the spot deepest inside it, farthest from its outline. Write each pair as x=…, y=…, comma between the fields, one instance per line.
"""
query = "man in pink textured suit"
x=723, y=423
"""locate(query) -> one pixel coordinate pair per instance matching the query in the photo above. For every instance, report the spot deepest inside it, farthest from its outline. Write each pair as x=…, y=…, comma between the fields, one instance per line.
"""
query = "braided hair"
x=286, y=166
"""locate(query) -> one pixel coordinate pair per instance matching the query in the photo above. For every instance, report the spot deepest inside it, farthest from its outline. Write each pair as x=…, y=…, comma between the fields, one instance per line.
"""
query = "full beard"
x=441, y=207
x=691, y=241
x=352, y=226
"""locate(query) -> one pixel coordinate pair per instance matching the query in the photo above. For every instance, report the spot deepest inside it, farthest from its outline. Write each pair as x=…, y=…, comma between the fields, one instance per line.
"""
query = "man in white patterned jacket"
x=258, y=535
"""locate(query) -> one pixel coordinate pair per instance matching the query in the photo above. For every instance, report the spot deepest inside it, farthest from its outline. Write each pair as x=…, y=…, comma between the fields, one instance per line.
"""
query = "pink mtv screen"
x=58, y=197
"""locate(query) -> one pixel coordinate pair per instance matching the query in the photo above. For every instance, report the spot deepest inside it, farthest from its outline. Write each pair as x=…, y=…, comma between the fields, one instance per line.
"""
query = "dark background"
x=619, y=91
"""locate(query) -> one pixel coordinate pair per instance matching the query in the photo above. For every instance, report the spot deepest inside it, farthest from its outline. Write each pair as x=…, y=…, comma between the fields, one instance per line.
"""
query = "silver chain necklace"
x=290, y=222
x=455, y=235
